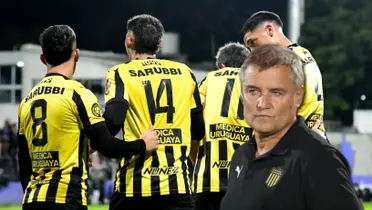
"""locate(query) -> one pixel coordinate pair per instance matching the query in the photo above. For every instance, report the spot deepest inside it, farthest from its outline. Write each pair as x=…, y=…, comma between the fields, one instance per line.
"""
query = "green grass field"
x=367, y=206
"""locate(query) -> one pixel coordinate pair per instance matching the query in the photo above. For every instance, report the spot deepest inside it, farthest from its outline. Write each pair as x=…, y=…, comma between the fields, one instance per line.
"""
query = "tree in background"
x=339, y=35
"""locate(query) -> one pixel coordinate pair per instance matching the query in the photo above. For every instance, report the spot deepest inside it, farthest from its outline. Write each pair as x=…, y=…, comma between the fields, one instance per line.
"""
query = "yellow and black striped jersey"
x=225, y=129
x=51, y=119
x=161, y=93
x=312, y=107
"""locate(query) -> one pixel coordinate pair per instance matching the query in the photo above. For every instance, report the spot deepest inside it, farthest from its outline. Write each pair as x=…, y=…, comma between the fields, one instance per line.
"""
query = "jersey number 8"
x=39, y=122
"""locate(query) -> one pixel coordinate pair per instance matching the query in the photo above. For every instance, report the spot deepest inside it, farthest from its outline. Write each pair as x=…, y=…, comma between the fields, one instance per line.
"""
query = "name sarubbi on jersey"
x=154, y=70
x=45, y=90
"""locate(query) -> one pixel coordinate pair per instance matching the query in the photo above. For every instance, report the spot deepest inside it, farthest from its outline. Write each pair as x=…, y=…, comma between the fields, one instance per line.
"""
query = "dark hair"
x=148, y=32
x=231, y=55
x=259, y=17
x=57, y=43
x=271, y=55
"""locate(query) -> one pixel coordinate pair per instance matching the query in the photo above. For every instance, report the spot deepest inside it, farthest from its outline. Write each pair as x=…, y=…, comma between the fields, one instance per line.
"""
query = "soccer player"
x=53, y=121
x=149, y=91
x=225, y=125
x=267, y=28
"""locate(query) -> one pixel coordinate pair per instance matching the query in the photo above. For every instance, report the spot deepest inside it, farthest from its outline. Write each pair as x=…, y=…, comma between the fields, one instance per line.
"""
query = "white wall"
x=363, y=121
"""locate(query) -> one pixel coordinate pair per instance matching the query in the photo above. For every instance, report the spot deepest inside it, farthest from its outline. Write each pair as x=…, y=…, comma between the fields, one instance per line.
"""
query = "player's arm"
x=197, y=121
x=328, y=183
x=116, y=102
x=24, y=159
x=100, y=137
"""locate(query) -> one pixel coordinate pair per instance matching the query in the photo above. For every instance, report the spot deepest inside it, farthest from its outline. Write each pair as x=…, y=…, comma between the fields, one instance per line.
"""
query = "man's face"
x=270, y=98
x=259, y=36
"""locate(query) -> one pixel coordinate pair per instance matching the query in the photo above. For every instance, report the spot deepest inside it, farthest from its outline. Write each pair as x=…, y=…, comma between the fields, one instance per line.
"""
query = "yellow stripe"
x=146, y=180
x=129, y=177
x=42, y=193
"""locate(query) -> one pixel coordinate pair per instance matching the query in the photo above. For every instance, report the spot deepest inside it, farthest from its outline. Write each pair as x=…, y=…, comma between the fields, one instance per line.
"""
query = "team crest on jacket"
x=274, y=177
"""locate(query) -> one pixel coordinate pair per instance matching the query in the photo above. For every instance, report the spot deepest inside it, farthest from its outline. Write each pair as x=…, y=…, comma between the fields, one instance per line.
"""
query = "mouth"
x=262, y=116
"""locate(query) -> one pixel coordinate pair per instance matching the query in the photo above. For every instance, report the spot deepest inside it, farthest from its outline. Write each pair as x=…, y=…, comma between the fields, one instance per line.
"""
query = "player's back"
x=50, y=122
x=225, y=127
x=312, y=107
x=159, y=93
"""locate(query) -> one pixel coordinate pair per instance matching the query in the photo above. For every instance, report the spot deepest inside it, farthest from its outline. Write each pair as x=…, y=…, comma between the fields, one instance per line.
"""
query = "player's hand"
x=316, y=128
x=151, y=140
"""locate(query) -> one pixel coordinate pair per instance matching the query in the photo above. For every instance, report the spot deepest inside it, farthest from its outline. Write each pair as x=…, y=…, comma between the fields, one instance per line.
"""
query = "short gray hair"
x=271, y=55
x=231, y=55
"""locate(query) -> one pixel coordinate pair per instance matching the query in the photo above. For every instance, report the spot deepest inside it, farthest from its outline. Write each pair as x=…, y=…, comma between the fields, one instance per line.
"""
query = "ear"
x=129, y=41
x=223, y=66
x=159, y=48
x=43, y=59
x=77, y=55
x=299, y=96
x=269, y=28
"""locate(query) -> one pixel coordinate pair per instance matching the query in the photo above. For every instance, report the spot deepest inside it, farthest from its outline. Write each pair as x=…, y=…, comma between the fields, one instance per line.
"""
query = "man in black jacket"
x=286, y=165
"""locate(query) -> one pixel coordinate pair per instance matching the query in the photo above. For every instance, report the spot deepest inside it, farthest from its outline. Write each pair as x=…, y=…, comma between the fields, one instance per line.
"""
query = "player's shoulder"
x=301, y=51
x=119, y=66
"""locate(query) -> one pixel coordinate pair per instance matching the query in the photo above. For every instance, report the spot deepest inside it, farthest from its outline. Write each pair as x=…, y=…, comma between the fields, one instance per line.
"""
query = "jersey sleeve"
x=195, y=102
x=88, y=108
x=203, y=89
x=21, y=130
x=312, y=107
x=115, y=88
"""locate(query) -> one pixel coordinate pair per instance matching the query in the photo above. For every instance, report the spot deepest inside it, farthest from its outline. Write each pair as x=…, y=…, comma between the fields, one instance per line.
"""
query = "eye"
x=252, y=91
x=277, y=93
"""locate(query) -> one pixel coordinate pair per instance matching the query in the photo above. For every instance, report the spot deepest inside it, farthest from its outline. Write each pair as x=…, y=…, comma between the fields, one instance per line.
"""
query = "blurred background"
x=337, y=32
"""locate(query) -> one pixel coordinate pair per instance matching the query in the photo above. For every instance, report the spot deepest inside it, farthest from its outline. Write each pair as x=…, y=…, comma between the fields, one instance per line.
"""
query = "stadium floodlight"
x=20, y=64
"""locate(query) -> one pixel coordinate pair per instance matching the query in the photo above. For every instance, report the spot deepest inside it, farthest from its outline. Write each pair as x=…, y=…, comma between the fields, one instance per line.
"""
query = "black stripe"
x=207, y=171
x=185, y=168
x=37, y=191
x=27, y=194
x=227, y=98
x=74, y=188
x=119, y=85
x=150, y=101
x=53, y=186
x=123, y=175
x=81, y=109
x=197, y=166
x=137, y=176
x=201, y=82
x=172, y=179
x=196, y=92
x=155, y=180
x=240, y=108
x=223, y=172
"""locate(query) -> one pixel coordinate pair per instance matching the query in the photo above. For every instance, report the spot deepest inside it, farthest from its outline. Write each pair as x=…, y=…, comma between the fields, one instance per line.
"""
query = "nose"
x=263, y=102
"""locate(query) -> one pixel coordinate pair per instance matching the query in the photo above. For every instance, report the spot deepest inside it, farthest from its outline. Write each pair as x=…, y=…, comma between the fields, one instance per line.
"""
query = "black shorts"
x=208, y=200
x=51, y=206
x=163, y=202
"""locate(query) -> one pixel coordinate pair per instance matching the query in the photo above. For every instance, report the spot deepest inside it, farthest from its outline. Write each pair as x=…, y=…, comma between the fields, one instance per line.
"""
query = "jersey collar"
x=56, y=74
